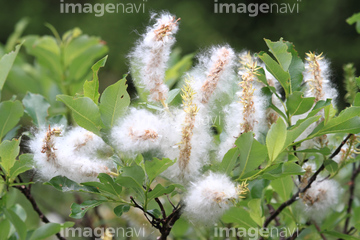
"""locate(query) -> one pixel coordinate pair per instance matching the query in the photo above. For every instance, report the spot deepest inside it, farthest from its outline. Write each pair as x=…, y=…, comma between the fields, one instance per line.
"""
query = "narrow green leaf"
x=275, y=139
x=283, y=187
x=11, y=112
x=64, y=184
x=156, y=166
x=172, y=94
x=348, y=121
x=48, y=230
x=339, y=235
x=6, y=63
x=8, y=153
x=85, y=112
x=78, y=210
x=91, y=88
x=36, y=107
x=280, y=50
x=296, y=68
x=5, y=229
x=239, y=216
x=256, y=211
x=159, y=190
x=295, y=131
x=114, y=102
x=277, y=71
x=252, y=153
x=19, y=224
x=229, y=161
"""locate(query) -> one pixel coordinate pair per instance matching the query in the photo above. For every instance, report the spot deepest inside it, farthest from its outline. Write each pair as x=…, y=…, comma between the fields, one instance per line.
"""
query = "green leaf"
x=22, y=165
x=357, y=100
x=81, y=53
x=281, y=170
x=36, y=107
x=339, y=235
x=106, y=185
x=6, y=63
x=85, y=112
x=47, y=53
x=64, y=184
x=331, y=166
x=11, y=112
x=239, y=216
x=178, y=70
x=256, y=211
x=252, y=153
x=275, y=139
x=172, y=94
x=121, y=209
x=348, y=121
x=229, y=161
x=78, y=210
x=91, y=88
x=48, y=230
x=283, y=187
x=280, y=50
x=114, y=102
x=295, y=131
x=132, y=177
x=296, y=68
x=329, y=113
x=297, y=105
x=159, y=190
x=355, y=18
x=8, y=153
x=19, y=224
x=5, y=229
x=277, y=71
x=156, y=166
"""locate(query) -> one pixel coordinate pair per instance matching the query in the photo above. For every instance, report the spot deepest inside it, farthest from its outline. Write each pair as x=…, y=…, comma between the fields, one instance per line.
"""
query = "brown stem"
x=352, y=182
x=319, y=231
x=311, y=180
x=26, y=191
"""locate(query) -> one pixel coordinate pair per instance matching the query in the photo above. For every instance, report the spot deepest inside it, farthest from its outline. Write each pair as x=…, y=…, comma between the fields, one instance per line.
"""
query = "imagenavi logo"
x=253, y=9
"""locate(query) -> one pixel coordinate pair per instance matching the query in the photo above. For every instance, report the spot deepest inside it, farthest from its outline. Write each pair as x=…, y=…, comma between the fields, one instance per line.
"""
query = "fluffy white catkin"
x=209, y=197
x=151, y=54
x=77, y=154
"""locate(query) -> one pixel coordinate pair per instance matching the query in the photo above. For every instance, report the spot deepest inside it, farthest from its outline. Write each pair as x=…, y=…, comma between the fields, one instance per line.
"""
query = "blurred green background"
x=319, y=26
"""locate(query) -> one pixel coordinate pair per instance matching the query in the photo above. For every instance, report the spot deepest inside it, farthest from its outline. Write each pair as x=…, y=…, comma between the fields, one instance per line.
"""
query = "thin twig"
x=355, y=173
x=319, y=231
x=26, y=191
x=311, y=180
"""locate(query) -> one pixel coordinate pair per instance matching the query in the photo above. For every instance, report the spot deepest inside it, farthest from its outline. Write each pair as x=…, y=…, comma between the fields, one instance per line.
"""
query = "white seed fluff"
x=77, y=154
x=138, y=132
x=209, y=198
x=319, y=199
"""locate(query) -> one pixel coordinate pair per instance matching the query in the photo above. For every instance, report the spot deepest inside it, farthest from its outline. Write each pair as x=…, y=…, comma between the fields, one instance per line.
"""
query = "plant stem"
x=311, y=180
